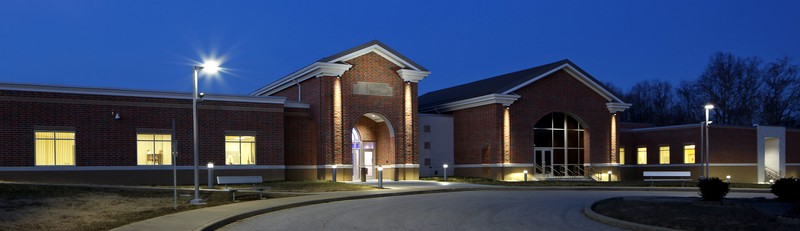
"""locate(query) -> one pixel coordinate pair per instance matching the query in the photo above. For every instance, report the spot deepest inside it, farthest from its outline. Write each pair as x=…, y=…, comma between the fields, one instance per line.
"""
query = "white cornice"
x=314, y=70
x=412, y=75
x=137, y=93
x=578, y=75
x=505, y=100
x=617, y=107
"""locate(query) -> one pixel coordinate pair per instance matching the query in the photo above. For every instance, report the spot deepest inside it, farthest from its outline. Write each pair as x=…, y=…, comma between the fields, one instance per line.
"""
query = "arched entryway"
x=372, y=145
x=559, y=140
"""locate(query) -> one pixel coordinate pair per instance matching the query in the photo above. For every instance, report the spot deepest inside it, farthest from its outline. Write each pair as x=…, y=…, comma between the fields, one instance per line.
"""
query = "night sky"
x=152, y=45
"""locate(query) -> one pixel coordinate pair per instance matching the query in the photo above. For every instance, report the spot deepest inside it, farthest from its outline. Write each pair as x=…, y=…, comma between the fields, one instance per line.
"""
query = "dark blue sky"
x=151, y=45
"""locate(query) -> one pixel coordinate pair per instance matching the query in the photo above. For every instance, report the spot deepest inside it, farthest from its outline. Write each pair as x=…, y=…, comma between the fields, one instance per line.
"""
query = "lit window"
x=240, y=150
x=621, y=155
x=663, y=155
x=55, y=148
x=153, y=149
x=641, y=155
x=688, y=154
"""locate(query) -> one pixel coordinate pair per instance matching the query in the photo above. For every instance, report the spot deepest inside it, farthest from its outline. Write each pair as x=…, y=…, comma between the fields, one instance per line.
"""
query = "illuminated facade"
x=357, y=111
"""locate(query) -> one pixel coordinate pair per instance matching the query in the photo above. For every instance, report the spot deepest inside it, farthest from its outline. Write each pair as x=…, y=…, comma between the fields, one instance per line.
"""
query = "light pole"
x=209, y=67
x=708, y=107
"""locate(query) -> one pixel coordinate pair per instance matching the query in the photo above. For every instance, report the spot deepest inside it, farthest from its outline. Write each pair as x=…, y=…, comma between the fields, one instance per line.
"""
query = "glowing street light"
x=210, y=67
x=708, y=107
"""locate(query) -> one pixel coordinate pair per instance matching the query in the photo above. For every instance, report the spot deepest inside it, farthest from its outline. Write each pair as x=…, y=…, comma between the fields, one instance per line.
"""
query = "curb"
x=219, y=223
x=589, y=212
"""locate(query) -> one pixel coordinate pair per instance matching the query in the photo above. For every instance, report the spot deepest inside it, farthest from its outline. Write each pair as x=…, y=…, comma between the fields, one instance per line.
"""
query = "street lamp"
x=708, y=107
x=209, y=66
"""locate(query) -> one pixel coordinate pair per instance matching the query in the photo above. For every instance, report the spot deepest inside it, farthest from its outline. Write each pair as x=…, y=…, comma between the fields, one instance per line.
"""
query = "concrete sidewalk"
x=215, y=217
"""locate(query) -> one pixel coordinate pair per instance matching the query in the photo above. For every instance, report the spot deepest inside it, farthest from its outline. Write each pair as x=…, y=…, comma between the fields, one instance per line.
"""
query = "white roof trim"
x=575, y=73
x=412, y=75
x=137, y=93
x=504, y=99
x=314, y=70
x=617, y=107
x=380, y=51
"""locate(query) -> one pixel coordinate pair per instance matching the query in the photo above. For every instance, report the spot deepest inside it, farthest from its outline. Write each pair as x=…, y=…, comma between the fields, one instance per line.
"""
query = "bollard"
x=334, y=173
x=210, y=175
x=380, y=177
x=525, y=175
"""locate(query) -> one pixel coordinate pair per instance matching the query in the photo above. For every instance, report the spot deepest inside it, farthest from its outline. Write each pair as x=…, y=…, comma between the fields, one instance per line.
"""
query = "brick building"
x=358, y=110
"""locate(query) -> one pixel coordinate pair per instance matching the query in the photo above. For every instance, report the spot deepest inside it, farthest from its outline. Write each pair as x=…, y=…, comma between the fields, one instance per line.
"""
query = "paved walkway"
x=214, y=217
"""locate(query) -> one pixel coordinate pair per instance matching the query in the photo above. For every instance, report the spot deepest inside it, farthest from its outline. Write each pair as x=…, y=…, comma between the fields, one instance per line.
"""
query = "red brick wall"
x=560, y=92
x=102, y=141
x=300, y=137
x=728, y=144
x=478, y=135
x=792, y=146
x=372, y=67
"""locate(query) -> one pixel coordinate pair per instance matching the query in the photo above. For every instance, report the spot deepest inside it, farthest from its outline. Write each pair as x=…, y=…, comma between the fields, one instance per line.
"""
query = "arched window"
x=564, y=135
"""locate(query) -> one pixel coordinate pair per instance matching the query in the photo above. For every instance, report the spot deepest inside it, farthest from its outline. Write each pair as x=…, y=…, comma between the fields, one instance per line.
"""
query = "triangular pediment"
x=335, y=65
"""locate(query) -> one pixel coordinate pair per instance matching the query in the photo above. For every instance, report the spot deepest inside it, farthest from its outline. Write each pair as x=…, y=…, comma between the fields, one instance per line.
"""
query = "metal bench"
x=226, y=180
x=660, y=176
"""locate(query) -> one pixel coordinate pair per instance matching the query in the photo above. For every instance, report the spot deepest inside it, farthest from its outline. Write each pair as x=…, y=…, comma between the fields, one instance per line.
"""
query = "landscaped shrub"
x=713, y=189
x=787, y=189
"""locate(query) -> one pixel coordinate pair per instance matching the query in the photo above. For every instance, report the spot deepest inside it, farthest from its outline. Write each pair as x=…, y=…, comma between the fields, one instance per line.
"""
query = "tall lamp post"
x=208, y=67
x=708, y=107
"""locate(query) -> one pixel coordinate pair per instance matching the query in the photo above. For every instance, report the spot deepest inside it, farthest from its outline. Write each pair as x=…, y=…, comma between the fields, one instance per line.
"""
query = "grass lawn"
x=695, y=214
x=46, y=207
x=475, y=180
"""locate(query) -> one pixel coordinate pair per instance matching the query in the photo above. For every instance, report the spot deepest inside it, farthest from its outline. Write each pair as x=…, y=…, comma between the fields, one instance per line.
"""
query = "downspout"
x=299, y=90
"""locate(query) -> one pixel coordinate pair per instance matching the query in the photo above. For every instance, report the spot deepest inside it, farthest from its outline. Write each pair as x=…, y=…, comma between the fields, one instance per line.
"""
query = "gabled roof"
x=335, y=65
x=506, y=84
x=373, y=46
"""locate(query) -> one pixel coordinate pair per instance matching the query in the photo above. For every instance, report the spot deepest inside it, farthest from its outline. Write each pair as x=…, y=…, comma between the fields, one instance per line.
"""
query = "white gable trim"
x=314, y=70
x=412, y=75
x=617, y=107
x=575, y=73
x=380, y=51
x=504, y=99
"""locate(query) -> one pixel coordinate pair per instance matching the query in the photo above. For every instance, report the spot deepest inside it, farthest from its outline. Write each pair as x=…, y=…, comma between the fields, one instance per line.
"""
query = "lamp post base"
x=197, y=202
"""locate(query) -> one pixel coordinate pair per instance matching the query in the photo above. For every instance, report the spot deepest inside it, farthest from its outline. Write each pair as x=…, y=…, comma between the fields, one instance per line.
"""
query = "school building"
x=358, y=110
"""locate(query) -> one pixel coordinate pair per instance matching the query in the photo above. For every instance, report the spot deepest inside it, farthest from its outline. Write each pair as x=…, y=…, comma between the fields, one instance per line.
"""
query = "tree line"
x=743, y=90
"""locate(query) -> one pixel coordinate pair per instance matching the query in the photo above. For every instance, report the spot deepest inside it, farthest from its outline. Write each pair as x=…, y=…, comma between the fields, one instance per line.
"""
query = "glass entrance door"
x=543, y=162
x=369, y=159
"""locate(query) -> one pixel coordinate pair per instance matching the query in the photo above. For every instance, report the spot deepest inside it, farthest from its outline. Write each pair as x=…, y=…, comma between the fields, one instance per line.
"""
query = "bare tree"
x=652, y=102
x=689, y=103
x=733, y=85
x=780, y=94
